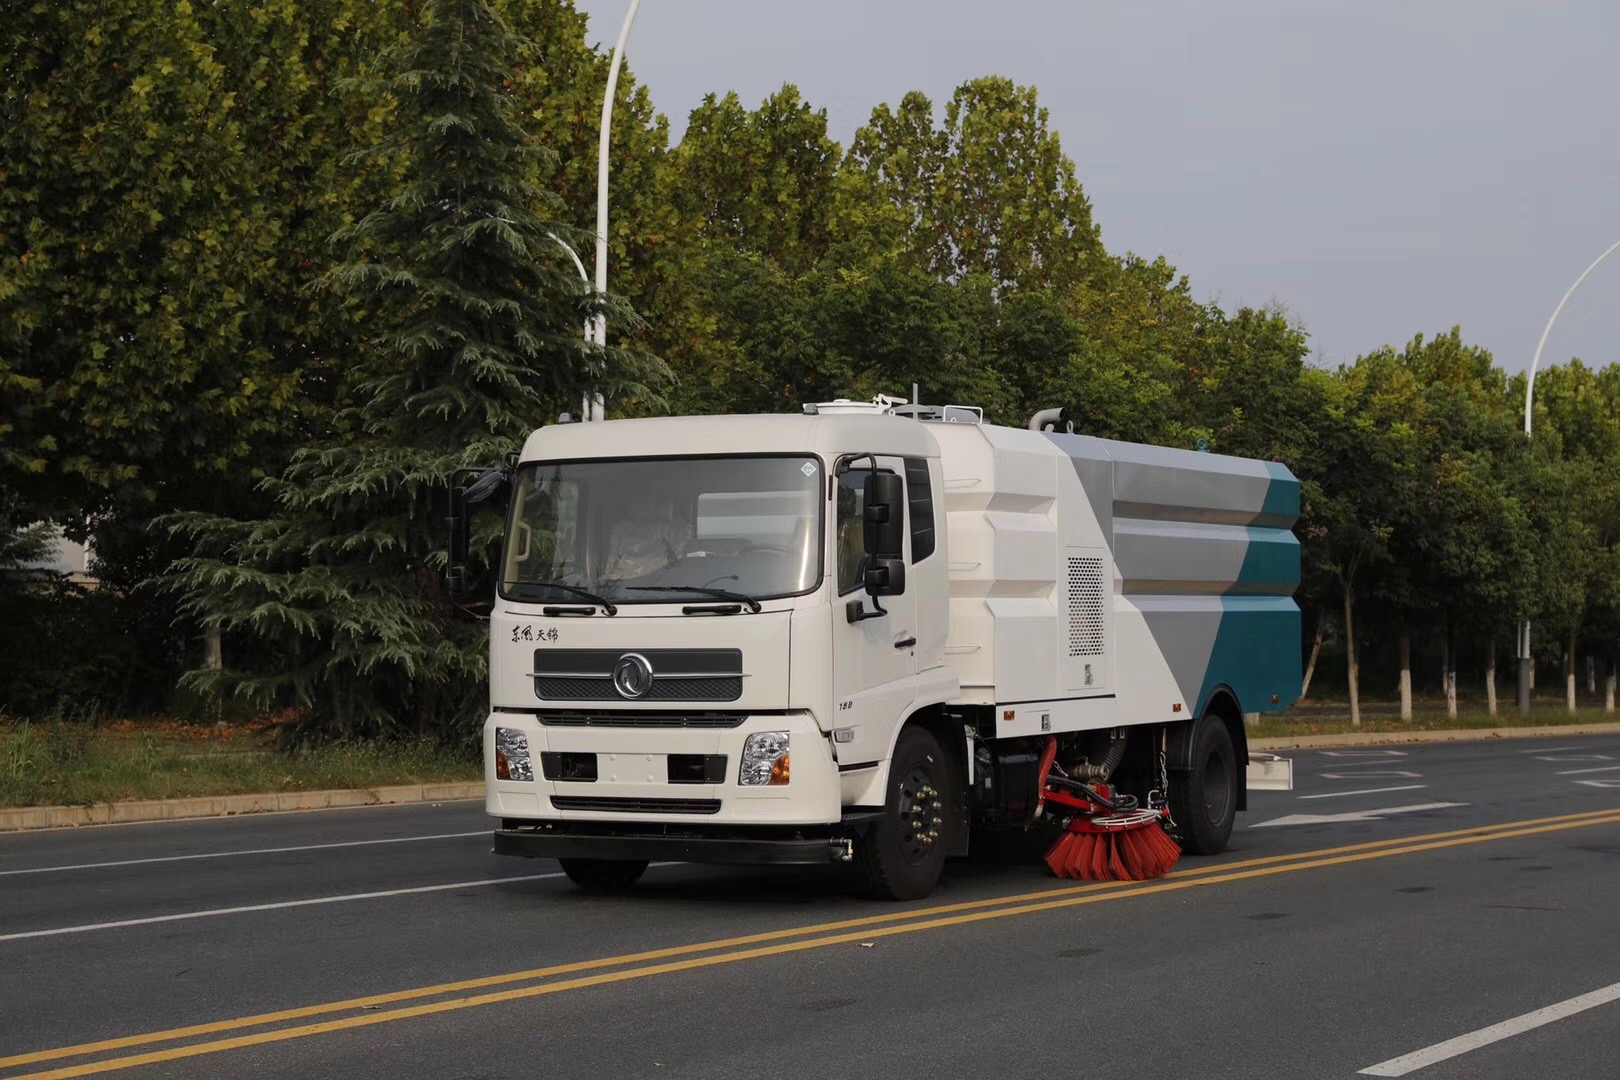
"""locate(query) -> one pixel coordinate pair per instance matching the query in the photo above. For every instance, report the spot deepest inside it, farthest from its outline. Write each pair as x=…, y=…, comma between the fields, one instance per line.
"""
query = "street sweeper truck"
x=878, y=634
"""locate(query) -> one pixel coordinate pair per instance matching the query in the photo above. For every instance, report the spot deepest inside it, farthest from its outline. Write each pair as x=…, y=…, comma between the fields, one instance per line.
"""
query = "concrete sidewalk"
x=1375, y=738
x=118, y=813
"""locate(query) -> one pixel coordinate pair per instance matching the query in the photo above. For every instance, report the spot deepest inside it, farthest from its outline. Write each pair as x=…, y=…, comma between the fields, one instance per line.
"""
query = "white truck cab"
x=845, y=636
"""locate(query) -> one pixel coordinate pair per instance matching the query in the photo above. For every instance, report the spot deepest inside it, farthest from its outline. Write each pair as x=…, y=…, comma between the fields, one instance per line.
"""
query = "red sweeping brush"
x=1127, y=846
x=1100, y=843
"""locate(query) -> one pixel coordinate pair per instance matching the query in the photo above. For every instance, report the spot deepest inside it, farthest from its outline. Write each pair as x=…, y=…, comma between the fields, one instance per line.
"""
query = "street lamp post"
x=590, y=323
x=1529, y=392
x=596, y=407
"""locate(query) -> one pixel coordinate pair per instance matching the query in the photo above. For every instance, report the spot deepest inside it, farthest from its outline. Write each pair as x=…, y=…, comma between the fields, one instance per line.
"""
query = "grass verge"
x=1298, y=722
x=77, y=765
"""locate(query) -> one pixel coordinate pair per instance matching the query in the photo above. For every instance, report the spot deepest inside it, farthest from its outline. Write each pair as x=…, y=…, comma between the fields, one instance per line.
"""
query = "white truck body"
x=1073, y=585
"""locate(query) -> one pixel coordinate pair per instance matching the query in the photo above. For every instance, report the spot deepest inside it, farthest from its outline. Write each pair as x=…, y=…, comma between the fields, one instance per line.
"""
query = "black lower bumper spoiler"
x=562, y=844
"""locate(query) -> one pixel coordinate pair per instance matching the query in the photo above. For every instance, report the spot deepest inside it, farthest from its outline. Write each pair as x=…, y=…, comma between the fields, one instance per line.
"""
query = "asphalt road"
x=1440, y=911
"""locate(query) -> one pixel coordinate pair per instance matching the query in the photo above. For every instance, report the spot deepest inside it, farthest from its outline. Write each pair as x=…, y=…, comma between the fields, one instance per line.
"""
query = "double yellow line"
x=455, y=996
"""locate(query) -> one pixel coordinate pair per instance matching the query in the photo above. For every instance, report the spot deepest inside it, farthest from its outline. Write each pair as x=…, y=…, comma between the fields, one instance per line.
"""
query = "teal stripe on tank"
x=1281, y=506
x=1256, y=653
x=1270, y=563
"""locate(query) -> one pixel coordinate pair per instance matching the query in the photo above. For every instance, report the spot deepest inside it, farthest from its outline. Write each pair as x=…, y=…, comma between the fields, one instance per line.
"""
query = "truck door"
x=874, y=659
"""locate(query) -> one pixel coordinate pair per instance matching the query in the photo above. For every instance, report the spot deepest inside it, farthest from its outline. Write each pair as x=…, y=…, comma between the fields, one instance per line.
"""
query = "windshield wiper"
x=584, y=594
x=702, y=590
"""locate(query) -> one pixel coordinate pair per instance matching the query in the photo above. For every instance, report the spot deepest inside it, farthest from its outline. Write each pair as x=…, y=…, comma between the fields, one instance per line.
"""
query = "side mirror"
x=885, y=577
x=884, y=527
x=468, y=488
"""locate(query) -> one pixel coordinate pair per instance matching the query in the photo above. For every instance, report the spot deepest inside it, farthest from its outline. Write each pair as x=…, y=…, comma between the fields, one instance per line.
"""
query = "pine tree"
x=472, y=331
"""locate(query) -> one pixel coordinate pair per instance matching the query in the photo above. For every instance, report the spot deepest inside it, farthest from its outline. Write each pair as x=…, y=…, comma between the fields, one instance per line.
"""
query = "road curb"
x=119, y=813
x=1375, y=738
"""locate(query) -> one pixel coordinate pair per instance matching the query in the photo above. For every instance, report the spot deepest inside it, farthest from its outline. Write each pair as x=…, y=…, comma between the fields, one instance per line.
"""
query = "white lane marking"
x=1576, y=757
x=1582, y=772
x=1354, y=815
x=243, y=851
x=1363, y=791
x=1376, y=755
x=1607, y=782
x=1379, y=774
x=209, y=913
x=1551, y=749
x=1462, y=1044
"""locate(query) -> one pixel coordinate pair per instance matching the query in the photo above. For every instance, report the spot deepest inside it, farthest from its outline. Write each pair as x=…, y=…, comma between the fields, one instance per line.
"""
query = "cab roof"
x=681, y=436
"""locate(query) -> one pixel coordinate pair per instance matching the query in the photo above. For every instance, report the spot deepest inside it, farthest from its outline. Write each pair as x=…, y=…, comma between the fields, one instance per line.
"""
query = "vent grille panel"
x=1085, y=606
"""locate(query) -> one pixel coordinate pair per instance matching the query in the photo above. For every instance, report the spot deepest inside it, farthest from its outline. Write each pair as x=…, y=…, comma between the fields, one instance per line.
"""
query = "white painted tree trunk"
x=1591, y=675
x=1406, y=674
x=1448, y=674
x=1316, y=651
x=1608, y=691
x=1490, y=677
x=1351, y=667
x=1569, y=674
x=213, y=649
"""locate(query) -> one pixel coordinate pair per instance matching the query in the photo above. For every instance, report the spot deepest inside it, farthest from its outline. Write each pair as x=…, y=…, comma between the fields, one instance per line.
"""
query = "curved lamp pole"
x=596, y=409
x=1529, y=394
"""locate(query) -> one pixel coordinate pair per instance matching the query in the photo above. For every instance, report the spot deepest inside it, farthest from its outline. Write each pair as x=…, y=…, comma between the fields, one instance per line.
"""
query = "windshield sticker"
x=808, y=469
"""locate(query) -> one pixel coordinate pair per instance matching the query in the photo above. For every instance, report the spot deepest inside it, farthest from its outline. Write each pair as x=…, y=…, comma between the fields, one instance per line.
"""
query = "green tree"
x=471, y=340
x=988, y=191
x=1576, y=499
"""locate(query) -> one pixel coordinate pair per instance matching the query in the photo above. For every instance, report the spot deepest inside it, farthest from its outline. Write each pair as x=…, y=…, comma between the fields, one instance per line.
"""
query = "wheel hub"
x=919, y=810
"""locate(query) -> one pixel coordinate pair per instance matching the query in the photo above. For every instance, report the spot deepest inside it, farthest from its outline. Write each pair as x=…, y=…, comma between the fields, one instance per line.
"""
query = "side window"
x=851, y=547
x=919, y=509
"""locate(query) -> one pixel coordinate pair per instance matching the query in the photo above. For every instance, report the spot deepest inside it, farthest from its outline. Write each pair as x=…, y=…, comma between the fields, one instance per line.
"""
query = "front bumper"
x=561, y=842
x=633, y=791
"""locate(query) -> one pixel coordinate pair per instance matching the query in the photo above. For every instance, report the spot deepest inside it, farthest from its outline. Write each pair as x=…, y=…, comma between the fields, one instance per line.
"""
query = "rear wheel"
x=903, y=855
x=603, y=875
x=1204, y=802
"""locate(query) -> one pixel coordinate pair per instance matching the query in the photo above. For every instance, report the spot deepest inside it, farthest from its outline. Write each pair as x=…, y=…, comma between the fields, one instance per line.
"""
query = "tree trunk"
x=1569, y=674
x=1490, y=677
x=1351, y=667
x=1448, y=674
x=1316, y=650
x=1608, y=688
x=1591, y=675
x=213, y=649
x=1406, y=673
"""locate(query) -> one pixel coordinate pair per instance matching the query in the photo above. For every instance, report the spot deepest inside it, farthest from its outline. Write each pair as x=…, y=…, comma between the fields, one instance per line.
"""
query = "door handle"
x=905, y=643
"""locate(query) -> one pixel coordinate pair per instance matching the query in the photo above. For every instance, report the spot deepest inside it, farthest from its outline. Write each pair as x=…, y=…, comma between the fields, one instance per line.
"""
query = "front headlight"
x=512, y=755
x=764, y=760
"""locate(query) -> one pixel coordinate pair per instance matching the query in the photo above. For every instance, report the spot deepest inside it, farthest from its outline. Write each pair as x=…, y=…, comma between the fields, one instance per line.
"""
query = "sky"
x=1380, y=168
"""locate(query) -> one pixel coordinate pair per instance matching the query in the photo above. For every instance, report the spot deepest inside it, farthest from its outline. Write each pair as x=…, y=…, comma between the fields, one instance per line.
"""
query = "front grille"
x=641, y=719
x=636, y=806
x=677, y=674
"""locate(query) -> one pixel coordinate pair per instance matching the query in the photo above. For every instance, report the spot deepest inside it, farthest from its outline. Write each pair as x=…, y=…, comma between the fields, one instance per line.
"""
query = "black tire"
x=903, y=855
x=603, y=875
x=1204, y=799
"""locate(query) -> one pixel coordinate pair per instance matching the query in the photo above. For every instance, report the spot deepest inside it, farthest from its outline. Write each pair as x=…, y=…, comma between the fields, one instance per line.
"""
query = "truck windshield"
x=748, y=525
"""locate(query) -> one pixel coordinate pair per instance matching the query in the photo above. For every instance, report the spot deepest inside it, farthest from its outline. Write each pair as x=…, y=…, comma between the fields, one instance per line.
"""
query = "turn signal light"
x=503, y=771
x=779, y=771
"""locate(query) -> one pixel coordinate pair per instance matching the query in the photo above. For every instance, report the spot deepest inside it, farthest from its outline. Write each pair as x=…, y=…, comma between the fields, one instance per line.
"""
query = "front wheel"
x=904, y=854
x=603, y=875
x=1204, y=802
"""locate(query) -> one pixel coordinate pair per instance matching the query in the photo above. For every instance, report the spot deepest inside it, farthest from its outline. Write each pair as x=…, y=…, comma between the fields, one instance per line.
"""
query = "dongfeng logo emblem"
x=632, y=676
